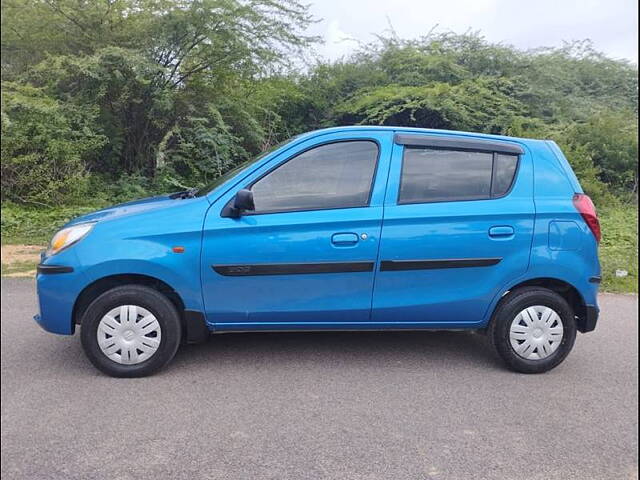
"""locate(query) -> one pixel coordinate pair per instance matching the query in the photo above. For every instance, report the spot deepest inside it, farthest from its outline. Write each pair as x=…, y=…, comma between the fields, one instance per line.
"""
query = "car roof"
x=354, y=128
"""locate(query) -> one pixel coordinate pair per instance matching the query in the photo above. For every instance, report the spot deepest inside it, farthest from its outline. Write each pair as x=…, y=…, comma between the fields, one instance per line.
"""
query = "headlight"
x=68, y=236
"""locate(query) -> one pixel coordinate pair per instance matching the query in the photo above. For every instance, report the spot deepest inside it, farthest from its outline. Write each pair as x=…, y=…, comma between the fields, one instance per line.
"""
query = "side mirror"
x=242, y=202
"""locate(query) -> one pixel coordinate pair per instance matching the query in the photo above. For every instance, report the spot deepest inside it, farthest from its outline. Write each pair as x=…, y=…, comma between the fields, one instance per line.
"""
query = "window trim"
x=466, y=150
x=311, y=147
x=449, y=142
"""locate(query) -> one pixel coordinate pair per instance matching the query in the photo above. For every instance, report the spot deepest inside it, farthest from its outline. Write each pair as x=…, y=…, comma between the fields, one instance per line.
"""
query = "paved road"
x=325, y=405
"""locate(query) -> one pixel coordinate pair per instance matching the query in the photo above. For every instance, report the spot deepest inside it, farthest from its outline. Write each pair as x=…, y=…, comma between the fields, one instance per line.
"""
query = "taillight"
x=587, y=209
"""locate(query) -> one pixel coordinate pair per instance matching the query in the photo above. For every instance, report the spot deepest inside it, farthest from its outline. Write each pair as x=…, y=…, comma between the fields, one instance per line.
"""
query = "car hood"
x=128, y=208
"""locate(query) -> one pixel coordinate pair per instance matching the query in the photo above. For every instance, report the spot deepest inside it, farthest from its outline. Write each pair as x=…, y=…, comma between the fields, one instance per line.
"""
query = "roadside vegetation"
x=107, y=101
x=619, y=249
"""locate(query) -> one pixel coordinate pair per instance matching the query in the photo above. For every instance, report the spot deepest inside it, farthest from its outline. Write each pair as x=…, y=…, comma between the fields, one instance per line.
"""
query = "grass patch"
x=619, y=248
x=24, y=268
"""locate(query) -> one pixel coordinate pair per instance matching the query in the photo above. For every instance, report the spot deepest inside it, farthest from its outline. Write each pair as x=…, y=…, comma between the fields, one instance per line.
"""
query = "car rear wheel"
x=130, y=331
x=533, y=330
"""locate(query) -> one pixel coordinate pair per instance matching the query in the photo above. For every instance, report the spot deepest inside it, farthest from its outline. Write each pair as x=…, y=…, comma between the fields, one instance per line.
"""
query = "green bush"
x=45, y=144
x=197, y=151
x=481, y=105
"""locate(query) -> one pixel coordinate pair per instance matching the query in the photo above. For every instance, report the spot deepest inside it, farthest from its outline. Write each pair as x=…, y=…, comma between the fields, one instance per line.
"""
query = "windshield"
x=223, y=178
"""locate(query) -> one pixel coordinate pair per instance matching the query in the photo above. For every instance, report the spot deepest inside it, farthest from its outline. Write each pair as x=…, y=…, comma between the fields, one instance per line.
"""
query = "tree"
x=140, y=62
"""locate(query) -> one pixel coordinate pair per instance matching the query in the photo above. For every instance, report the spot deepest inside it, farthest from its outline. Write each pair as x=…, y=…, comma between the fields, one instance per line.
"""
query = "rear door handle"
x=501, y=231
x=344, y=239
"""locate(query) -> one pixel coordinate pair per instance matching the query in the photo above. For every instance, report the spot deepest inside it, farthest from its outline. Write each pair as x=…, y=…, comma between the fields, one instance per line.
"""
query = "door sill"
x=341, y=326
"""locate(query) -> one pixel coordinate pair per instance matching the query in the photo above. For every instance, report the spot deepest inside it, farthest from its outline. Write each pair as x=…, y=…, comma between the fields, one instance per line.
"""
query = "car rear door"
x=306, y=255
x=457, y=227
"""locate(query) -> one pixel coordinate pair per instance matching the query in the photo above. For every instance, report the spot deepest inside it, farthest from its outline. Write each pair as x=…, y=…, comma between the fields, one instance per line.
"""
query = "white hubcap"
x=536, y=332
x=129, y=334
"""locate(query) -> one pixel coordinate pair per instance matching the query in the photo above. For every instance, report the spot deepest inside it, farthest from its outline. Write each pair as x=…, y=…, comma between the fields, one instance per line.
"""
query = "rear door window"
x=437, y=175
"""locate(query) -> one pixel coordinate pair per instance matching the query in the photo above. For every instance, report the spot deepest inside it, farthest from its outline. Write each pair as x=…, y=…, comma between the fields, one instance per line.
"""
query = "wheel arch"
x=563, y=288
x=193, y=322
x=98, y=287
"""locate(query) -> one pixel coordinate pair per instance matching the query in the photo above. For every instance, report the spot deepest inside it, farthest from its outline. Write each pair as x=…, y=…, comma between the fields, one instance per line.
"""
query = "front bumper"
x=58, y=288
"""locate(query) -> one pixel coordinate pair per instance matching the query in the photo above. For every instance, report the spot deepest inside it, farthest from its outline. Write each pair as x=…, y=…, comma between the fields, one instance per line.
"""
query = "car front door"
x=457, y=228
x=306, y=254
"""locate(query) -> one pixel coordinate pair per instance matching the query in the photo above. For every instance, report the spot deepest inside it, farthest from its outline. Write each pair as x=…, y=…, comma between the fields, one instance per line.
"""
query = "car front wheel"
x=130, y=331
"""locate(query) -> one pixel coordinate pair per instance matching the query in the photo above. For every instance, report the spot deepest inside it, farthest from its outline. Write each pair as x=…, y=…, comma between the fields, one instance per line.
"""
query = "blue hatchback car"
x=351, y=228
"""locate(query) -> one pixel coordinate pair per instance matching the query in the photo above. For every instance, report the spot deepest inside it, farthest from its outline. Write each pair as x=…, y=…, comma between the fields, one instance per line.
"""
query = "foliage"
x=184, y=37
x=619, y=248
x=199, y=151
x=132, y=111
x=177, y=92
x=45, y=144
x=610, y=139
x=149, y=69
x=481, y=105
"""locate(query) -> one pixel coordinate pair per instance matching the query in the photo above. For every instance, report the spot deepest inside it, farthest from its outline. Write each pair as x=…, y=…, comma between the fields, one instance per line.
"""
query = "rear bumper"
x=589, y=320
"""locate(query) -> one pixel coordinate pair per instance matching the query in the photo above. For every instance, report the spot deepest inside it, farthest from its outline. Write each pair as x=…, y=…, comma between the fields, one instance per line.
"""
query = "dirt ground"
x=20, y=260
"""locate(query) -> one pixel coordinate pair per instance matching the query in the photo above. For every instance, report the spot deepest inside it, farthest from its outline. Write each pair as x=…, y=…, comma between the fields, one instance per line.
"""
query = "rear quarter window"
x=504, y=171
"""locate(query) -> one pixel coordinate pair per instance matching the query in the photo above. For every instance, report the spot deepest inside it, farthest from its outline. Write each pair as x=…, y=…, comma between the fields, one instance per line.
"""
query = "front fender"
x=145, y=244
x=184, y=278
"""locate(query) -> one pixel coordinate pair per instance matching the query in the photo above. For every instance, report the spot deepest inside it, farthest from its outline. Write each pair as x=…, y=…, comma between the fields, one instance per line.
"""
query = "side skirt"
x=340, y=326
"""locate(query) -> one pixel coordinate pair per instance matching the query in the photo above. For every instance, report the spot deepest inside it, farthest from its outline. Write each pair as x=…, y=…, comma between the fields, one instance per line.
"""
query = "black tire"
x=507, y=310
x=148, y=298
